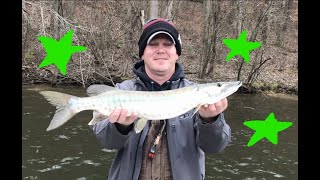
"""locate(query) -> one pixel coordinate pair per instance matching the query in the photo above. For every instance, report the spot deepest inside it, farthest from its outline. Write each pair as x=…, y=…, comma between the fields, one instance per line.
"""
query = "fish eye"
x=219, y=84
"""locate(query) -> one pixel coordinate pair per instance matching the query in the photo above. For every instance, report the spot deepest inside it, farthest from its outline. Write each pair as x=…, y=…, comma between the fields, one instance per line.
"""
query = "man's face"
x=160, y=56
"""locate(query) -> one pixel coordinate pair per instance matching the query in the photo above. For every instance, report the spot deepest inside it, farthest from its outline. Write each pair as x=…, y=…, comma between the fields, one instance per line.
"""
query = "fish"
x=148, y=105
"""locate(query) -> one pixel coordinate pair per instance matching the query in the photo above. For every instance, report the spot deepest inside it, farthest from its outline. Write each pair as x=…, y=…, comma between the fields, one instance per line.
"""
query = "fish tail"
x=63, y=110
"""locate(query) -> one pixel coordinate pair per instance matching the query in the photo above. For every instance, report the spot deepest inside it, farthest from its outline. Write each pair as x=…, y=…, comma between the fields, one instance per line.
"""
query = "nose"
x=160, y=49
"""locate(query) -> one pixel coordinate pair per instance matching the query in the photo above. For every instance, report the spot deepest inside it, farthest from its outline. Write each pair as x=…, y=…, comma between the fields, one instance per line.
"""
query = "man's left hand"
x=208, y=111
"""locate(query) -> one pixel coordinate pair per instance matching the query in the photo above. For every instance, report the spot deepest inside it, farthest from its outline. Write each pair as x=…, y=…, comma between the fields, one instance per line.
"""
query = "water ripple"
x=269, y=172
x=31, y=177
x=69, y=159
x=54, y=167
x=90, y=162
x=62, y=137
x=109, y=150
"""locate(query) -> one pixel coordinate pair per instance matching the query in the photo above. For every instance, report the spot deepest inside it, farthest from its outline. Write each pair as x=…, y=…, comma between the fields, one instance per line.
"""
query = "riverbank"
x=270, y=81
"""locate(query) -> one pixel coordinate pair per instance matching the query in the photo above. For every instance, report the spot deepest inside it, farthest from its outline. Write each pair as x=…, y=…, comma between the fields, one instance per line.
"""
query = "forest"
x=110, y=31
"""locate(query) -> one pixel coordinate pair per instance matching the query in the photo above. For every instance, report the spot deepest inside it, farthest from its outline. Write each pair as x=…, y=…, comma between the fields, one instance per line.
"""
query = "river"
x=72, y=152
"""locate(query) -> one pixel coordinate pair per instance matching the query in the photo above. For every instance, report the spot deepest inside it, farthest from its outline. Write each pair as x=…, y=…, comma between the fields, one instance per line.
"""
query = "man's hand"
x=120, y=116
x=208, y=111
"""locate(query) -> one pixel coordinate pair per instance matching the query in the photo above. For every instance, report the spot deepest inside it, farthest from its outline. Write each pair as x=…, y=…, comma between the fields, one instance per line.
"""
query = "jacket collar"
x=149, y=84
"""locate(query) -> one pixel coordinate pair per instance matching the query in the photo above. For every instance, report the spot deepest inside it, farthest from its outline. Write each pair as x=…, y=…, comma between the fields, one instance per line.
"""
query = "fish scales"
x=153, y=106
x=165, y=104
x=149, y=105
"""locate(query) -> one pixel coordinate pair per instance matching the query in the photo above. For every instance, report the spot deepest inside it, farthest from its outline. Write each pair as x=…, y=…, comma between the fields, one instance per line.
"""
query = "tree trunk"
x=205, y=39
x=128, y=39
x=25, y=29
x=169, y=10
x=263, y=14
x=287, y=4
x=214, y=29
x=57, y=7
x=153, y=9
x=241, y=11
x=258, y=65
x=142, y=18
x=166, y=9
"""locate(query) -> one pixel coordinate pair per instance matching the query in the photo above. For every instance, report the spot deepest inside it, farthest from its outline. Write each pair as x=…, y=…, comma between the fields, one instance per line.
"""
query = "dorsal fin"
x=96, y=89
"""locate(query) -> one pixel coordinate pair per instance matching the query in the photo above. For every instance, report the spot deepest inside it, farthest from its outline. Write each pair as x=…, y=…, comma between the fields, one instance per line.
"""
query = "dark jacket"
x=188, y=137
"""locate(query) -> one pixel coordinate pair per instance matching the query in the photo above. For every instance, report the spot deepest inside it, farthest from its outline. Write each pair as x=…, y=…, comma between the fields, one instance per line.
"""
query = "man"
x=165, y=149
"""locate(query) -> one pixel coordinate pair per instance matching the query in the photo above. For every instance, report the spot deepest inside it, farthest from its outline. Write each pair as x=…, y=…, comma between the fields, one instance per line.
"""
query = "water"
x=72, y=151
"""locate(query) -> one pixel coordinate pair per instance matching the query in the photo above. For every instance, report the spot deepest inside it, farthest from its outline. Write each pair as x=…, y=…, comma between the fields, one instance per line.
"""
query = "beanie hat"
x=159, y=26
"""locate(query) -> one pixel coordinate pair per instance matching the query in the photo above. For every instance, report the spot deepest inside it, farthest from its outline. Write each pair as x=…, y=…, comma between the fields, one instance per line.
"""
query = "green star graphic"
x=240, y=47
x=268, y=129
x=59, y=52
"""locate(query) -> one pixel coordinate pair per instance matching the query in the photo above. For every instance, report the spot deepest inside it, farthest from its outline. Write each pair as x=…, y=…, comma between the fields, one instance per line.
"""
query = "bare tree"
x=25, y=31
x=169, y=10
x=166, y=9
x=57, y=6
x=132, y=19
x=262, y=15
x=153, y=9
x=210, y=33
x=283, y=21
x=241, y=7
x=123, y=71
x=260, y=62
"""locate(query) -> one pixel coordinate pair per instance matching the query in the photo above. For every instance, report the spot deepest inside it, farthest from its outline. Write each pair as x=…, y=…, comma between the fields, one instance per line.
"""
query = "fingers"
x=224, y=103
x=133, y=117
x=219, y=106
x=213, y=109
x=114, y=116
x=125, y=119
x=121, y=116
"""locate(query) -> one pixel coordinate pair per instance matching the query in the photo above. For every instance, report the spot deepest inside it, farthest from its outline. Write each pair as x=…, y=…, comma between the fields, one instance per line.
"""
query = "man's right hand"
x=120, y=116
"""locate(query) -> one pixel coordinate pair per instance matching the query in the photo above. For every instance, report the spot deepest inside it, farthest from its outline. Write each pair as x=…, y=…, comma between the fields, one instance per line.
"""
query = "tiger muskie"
x=149, y=105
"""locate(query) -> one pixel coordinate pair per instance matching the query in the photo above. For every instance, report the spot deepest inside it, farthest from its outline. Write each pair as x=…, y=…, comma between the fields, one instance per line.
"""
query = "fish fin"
x=197, y=109
x=139, y=124
x=96, y=89
x=63, y=111
x=97, y=116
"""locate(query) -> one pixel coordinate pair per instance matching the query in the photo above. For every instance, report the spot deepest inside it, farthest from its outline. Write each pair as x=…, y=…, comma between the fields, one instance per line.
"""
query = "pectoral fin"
x=197, y=109
x=139, y=124
x=97, y=116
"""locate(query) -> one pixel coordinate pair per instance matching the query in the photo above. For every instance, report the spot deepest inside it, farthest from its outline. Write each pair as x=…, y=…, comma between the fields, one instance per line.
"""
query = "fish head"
x=214, y=92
